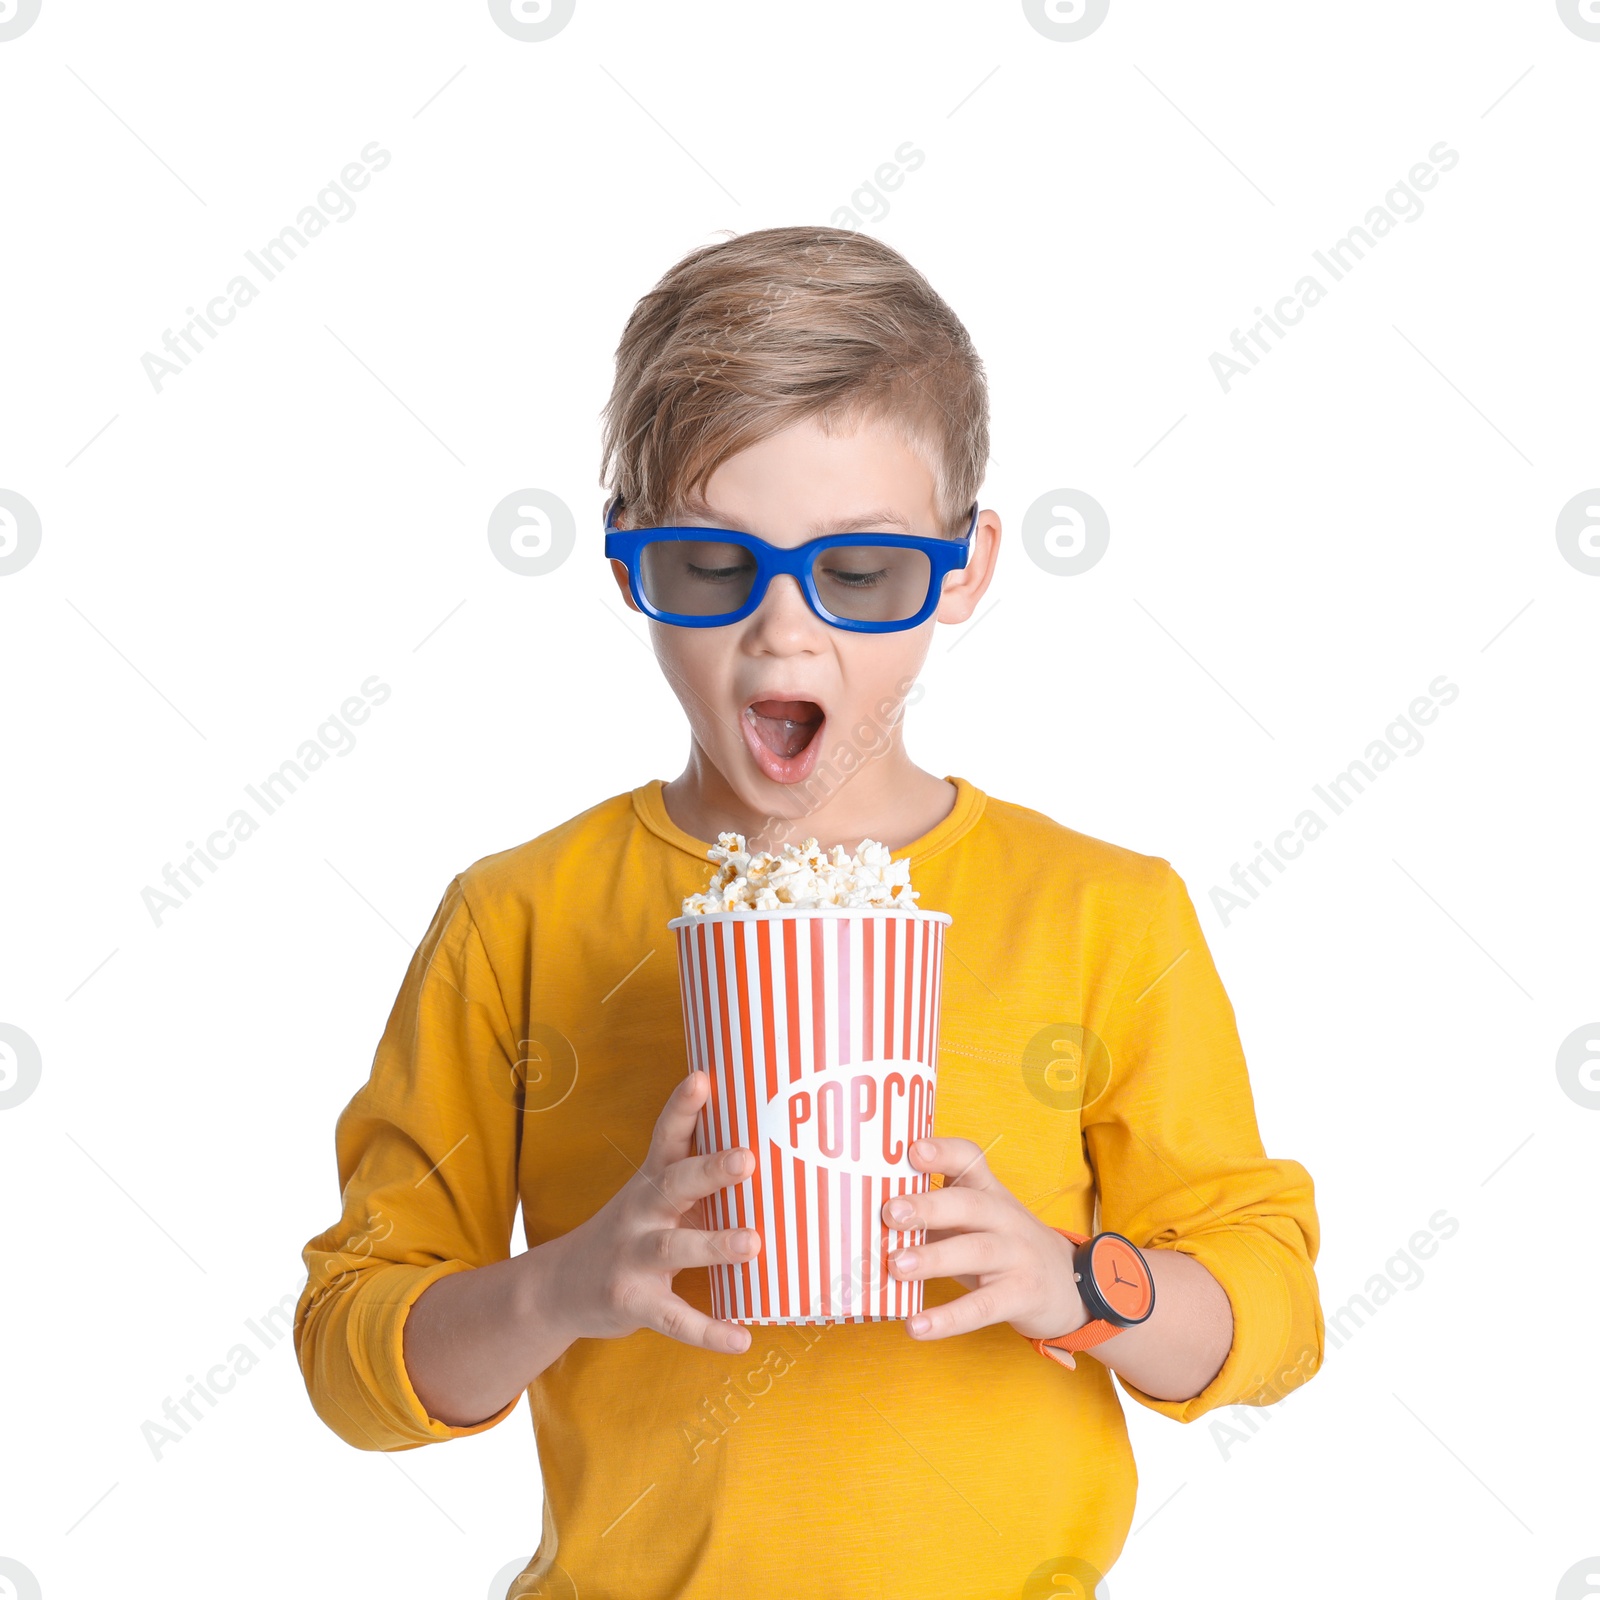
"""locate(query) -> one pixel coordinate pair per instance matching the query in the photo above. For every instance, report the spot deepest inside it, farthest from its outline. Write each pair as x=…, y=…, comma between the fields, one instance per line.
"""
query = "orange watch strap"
x=1086, y=1337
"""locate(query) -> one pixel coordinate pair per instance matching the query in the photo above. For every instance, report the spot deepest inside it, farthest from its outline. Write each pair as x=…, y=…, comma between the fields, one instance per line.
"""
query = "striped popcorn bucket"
x=819, y=1030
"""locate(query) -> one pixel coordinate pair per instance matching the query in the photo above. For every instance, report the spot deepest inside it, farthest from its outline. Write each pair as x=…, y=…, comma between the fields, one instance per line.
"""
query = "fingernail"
x=899, y=1210
x=924, y=1148
x=906, y=1260
x=918, y=1324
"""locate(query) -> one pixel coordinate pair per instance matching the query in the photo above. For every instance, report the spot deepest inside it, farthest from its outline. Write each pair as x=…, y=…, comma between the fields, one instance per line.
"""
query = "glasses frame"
x=944, y=557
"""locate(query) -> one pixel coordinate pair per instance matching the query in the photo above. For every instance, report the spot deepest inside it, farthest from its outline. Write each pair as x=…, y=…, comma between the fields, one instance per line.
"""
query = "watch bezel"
x=1099, y=1309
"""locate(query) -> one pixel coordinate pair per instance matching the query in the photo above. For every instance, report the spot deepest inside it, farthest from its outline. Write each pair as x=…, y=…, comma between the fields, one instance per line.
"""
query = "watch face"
x=1122, y=1278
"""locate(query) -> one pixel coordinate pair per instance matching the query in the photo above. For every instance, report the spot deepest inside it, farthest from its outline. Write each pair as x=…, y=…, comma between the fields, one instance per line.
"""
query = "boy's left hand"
x=1019, y=1270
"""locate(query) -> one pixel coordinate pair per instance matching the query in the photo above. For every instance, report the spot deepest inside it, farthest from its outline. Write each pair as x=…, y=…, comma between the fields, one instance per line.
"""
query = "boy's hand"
x=979, y=1233
x=613, y=1273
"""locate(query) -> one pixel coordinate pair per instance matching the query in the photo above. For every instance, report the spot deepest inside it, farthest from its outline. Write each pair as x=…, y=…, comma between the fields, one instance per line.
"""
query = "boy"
x=790, y=384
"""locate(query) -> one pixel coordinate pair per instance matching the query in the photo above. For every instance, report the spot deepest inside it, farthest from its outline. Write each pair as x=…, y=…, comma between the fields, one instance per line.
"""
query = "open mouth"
x=784, y=736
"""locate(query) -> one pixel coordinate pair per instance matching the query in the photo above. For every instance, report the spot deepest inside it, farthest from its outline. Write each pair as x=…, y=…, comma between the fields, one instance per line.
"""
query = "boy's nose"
x=784, y=606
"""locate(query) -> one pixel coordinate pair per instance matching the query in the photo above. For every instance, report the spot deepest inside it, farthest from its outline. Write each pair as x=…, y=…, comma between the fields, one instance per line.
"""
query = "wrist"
x=543, y=1298
x=1115, y=1287
x=1074, y=1313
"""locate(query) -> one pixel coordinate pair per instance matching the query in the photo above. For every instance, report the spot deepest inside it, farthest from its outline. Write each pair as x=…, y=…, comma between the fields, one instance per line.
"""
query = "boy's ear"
x=619, y=571
x=964, y=589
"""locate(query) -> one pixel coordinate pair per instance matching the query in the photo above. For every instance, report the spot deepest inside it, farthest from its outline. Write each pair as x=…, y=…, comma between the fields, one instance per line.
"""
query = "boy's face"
x=786, y=707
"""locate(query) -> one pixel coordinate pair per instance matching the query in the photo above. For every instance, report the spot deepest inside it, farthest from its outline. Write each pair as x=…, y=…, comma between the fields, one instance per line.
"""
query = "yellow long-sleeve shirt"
x=1086, y=1043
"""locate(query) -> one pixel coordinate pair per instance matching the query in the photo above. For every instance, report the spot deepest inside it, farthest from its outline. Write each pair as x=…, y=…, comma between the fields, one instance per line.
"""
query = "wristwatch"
x=1117, y=1288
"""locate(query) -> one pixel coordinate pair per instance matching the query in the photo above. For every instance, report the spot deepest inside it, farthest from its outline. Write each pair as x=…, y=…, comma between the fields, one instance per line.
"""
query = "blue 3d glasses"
x=709, y=577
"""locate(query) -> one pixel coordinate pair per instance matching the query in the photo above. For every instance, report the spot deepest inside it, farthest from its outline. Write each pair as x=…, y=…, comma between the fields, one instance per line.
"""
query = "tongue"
x=786, y=727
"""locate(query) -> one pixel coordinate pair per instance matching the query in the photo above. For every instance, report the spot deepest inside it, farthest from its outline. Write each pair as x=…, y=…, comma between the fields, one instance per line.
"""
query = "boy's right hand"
x=612, y=1274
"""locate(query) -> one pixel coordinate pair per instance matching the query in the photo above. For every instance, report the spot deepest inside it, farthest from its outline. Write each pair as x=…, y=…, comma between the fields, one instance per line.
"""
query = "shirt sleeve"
x=427, y=1153
x=1179, y=1163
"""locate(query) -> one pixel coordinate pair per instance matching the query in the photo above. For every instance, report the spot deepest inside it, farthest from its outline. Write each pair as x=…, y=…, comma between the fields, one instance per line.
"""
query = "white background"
x=225, y=561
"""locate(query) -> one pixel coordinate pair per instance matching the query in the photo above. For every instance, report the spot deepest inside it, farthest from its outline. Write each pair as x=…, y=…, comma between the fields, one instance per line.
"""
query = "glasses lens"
x=871, y=583
x=696, y=577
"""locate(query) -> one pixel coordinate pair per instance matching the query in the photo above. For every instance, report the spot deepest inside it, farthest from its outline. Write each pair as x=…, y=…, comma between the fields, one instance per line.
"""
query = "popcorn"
x=803, y=878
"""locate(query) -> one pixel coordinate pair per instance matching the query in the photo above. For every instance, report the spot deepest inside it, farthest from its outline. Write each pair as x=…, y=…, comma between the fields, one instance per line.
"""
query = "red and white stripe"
x=769, y=999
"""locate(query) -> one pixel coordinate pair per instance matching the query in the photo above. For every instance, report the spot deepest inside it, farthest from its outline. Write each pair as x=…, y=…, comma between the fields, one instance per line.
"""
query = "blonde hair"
x=744, y=338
